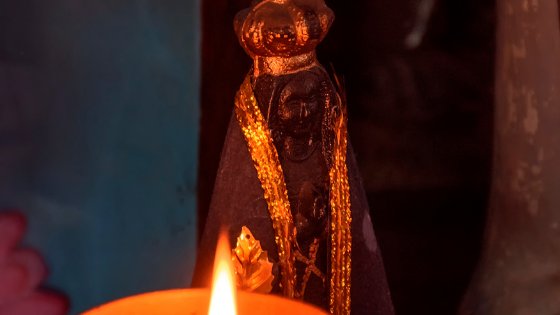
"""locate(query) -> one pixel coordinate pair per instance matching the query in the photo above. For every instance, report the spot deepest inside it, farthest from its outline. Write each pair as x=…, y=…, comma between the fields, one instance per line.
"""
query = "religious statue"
x=288, y=185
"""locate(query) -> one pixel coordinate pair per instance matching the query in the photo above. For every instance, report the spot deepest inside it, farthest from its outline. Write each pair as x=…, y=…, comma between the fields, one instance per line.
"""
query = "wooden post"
x=520, y=268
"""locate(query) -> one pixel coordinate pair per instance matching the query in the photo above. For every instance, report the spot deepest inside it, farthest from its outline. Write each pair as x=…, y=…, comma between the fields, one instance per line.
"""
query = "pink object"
x=22, y=270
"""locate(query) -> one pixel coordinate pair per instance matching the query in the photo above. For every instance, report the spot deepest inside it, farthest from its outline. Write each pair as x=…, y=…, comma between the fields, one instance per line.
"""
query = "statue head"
x=293, y=90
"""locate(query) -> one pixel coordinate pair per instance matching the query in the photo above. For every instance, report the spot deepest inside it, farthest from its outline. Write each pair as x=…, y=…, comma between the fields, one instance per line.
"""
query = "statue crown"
x=283, y=28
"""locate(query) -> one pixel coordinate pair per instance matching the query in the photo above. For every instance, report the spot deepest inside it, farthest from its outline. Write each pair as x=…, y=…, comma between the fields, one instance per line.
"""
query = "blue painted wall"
x=99, y=110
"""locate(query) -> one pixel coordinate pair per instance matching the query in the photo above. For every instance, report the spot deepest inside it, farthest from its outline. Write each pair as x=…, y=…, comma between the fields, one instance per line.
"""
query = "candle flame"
x=222, y=300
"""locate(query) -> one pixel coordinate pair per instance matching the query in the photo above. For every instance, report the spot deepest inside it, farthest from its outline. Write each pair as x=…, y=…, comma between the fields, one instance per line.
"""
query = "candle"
x=223, y=300
x=196, y=301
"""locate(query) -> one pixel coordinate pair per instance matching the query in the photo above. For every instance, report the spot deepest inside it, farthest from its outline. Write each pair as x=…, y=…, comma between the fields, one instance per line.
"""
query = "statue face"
x=294, y=106
x=300, y=107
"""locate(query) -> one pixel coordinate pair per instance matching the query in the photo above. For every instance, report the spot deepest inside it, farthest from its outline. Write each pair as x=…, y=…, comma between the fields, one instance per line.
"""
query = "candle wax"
x=196, y=302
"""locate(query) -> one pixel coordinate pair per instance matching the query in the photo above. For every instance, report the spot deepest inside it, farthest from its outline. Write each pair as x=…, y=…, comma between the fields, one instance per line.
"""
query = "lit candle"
x=223, y=300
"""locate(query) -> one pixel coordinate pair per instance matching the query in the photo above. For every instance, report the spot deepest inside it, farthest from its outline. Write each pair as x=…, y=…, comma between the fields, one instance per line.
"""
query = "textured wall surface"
x=99, y=139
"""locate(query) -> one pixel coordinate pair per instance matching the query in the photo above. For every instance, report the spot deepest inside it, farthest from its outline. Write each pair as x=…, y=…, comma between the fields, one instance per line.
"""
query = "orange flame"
x=222, y=300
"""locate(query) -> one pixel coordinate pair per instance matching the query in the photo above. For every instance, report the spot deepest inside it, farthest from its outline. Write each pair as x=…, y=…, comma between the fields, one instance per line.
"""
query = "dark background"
x=419, y=77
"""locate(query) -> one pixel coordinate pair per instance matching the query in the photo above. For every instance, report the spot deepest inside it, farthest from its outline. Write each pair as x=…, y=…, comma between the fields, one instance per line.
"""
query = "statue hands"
x=21, y=272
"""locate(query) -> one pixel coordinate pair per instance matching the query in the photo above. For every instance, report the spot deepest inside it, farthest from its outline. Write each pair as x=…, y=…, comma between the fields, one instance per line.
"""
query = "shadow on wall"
x=98, y=140
x=419, y=78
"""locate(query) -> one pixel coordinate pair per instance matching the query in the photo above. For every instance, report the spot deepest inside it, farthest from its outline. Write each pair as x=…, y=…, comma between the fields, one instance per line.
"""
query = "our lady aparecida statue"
x=288, y=187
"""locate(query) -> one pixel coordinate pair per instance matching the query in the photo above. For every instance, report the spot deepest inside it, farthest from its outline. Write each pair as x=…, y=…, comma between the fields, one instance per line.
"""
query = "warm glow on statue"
x=288, y=177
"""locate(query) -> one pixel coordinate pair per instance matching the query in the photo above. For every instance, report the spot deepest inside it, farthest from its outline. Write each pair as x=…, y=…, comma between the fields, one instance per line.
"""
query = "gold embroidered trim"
x=341, y=221
x=271, y=176
x=269, y=171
